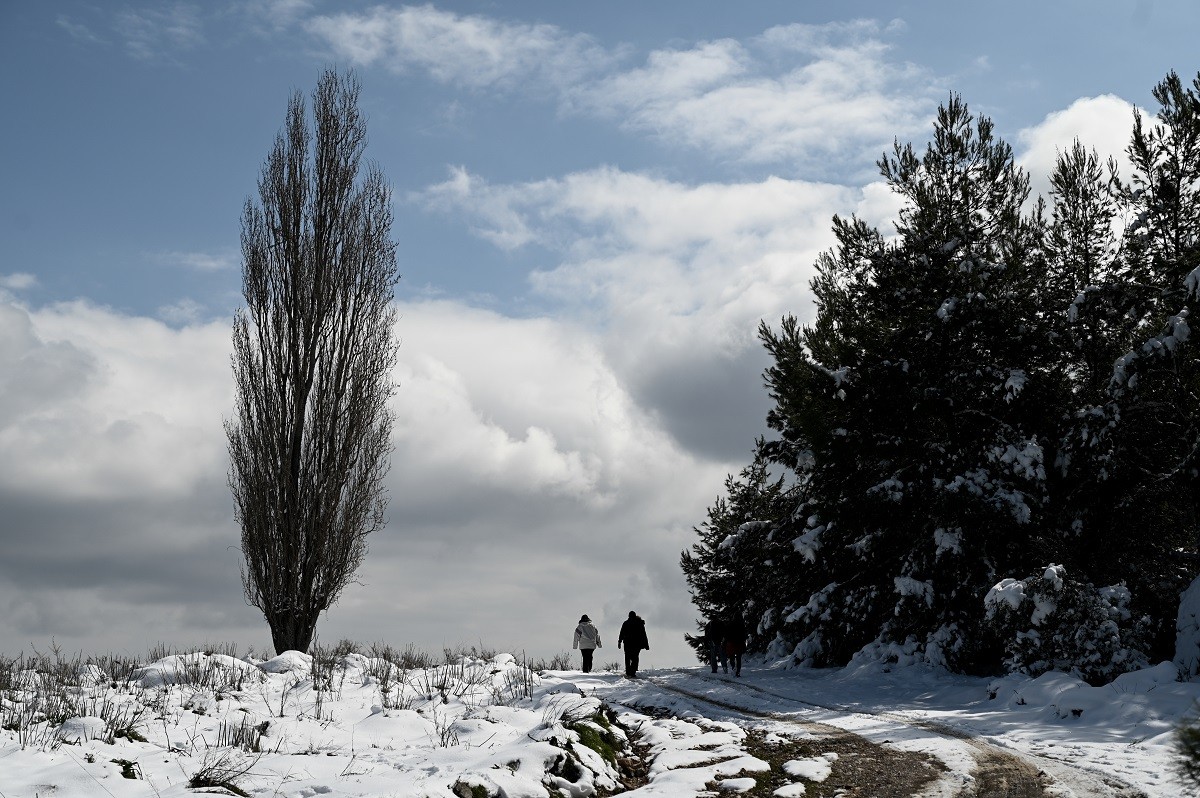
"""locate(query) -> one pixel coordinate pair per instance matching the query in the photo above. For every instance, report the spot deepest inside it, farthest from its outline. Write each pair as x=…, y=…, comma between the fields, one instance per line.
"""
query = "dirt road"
x=889, y=754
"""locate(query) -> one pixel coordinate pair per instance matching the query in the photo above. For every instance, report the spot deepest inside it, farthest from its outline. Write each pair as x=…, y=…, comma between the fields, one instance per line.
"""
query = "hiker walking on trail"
x=714, y=643
x=735, y=642
x=587, y=640
x=633, y=638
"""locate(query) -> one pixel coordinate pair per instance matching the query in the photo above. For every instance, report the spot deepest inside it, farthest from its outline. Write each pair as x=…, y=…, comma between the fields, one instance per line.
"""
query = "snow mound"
x=80, y=730
x=288, y=662
x=1187, y=629
x=212, y=670
x=566, y=687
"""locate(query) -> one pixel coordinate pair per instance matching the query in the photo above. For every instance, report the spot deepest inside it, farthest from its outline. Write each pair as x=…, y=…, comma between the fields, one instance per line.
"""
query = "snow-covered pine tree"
x=1133, y=453
x=1082, y=246
x=739, y=565
x=1093, y=314
x=918, y=407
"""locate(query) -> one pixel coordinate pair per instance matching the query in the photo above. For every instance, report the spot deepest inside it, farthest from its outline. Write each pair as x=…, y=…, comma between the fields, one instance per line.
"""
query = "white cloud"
x=185, y=311
x=677, y=277
x=798, y=94
x=524, y=476
x=157, y=33
x=464, y=50
x=499, y=220
x=633, y=242
x=78, y=30
x=1103, y=123
x=198, y=261
x=118, y=407
x=17, y=281
x=34, y=372
x=534, y=403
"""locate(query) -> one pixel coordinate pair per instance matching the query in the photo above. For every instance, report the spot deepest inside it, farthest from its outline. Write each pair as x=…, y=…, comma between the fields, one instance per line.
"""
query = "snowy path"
x=976, y=765
x=998, y=762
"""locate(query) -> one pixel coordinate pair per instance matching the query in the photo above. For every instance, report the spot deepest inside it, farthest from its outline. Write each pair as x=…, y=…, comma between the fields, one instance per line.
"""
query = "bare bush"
x=245, y=735
x=559, y=662
x=516, y=684
x=223, y=768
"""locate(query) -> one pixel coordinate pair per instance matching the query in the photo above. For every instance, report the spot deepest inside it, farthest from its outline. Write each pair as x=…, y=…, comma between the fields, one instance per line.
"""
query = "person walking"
x=735, y=642
x=714, y=643
x=633, y=638
x=587, y=640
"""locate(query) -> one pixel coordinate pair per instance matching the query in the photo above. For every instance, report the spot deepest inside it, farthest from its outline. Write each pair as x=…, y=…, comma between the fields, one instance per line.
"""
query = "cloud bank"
x=521, y=468
x=775, y=98
x=545, y=465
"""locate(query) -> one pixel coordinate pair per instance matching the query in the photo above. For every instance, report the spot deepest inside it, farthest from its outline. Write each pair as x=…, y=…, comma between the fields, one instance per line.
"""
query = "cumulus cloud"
x=33, y=371
x=17, y=281
x=1103, y=123
x=676, y=276
x=185, y=311
x=496, y=214
x=523, y=469
x=471, y=51
x=797, y=94
x=105, y=402
x=112, y=478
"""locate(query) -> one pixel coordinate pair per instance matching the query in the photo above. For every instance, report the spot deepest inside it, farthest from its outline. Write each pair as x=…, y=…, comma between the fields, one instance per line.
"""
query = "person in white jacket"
x=587, y=640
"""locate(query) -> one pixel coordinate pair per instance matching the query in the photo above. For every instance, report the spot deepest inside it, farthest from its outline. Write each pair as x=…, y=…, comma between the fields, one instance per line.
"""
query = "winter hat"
x=585, y=619
x=632, y=614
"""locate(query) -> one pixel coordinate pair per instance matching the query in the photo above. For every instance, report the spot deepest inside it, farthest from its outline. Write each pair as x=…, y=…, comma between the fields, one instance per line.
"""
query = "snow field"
x=293, y=727
x=298, y=727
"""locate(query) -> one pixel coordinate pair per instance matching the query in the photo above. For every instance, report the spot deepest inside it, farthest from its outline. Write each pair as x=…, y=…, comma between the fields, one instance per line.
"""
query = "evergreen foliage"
x=739, y=564
x=1131, y=454
x=913, y=404
x=995, y=386
x=1187, y=746
x=1050, y=621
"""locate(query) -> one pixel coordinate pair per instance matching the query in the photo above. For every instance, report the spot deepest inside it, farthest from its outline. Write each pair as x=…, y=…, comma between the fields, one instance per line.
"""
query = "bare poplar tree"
x=313, y=352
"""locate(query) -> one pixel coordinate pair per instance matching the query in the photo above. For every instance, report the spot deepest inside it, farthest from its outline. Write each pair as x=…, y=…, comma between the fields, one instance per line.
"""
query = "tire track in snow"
x=865, y=769
x=998, y=772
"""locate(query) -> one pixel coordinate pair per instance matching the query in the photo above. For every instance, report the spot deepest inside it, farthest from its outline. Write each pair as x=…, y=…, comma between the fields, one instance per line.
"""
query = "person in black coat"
x=633, y=640
x=714, y=643
x=735, y=641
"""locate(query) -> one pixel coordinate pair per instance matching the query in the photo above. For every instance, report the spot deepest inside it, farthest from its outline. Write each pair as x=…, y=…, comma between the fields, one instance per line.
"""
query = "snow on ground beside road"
x=375, y=729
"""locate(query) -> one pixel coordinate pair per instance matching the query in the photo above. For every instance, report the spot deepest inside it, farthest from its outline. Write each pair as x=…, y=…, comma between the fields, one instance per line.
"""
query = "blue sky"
x=595, y=205
x=141, y=128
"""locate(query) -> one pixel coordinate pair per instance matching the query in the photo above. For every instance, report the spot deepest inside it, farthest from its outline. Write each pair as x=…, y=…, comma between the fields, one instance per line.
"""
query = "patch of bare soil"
x=634, y=766
x=1001, y=775
x=862, y=769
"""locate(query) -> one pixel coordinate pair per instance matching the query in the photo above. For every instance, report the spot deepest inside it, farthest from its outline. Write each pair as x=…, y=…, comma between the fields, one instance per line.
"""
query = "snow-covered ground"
x=493, y=727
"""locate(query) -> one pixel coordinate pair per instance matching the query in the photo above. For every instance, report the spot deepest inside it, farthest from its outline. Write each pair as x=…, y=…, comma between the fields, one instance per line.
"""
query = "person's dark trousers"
x=587, y=659
x=631, y=661
x=715, y=650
